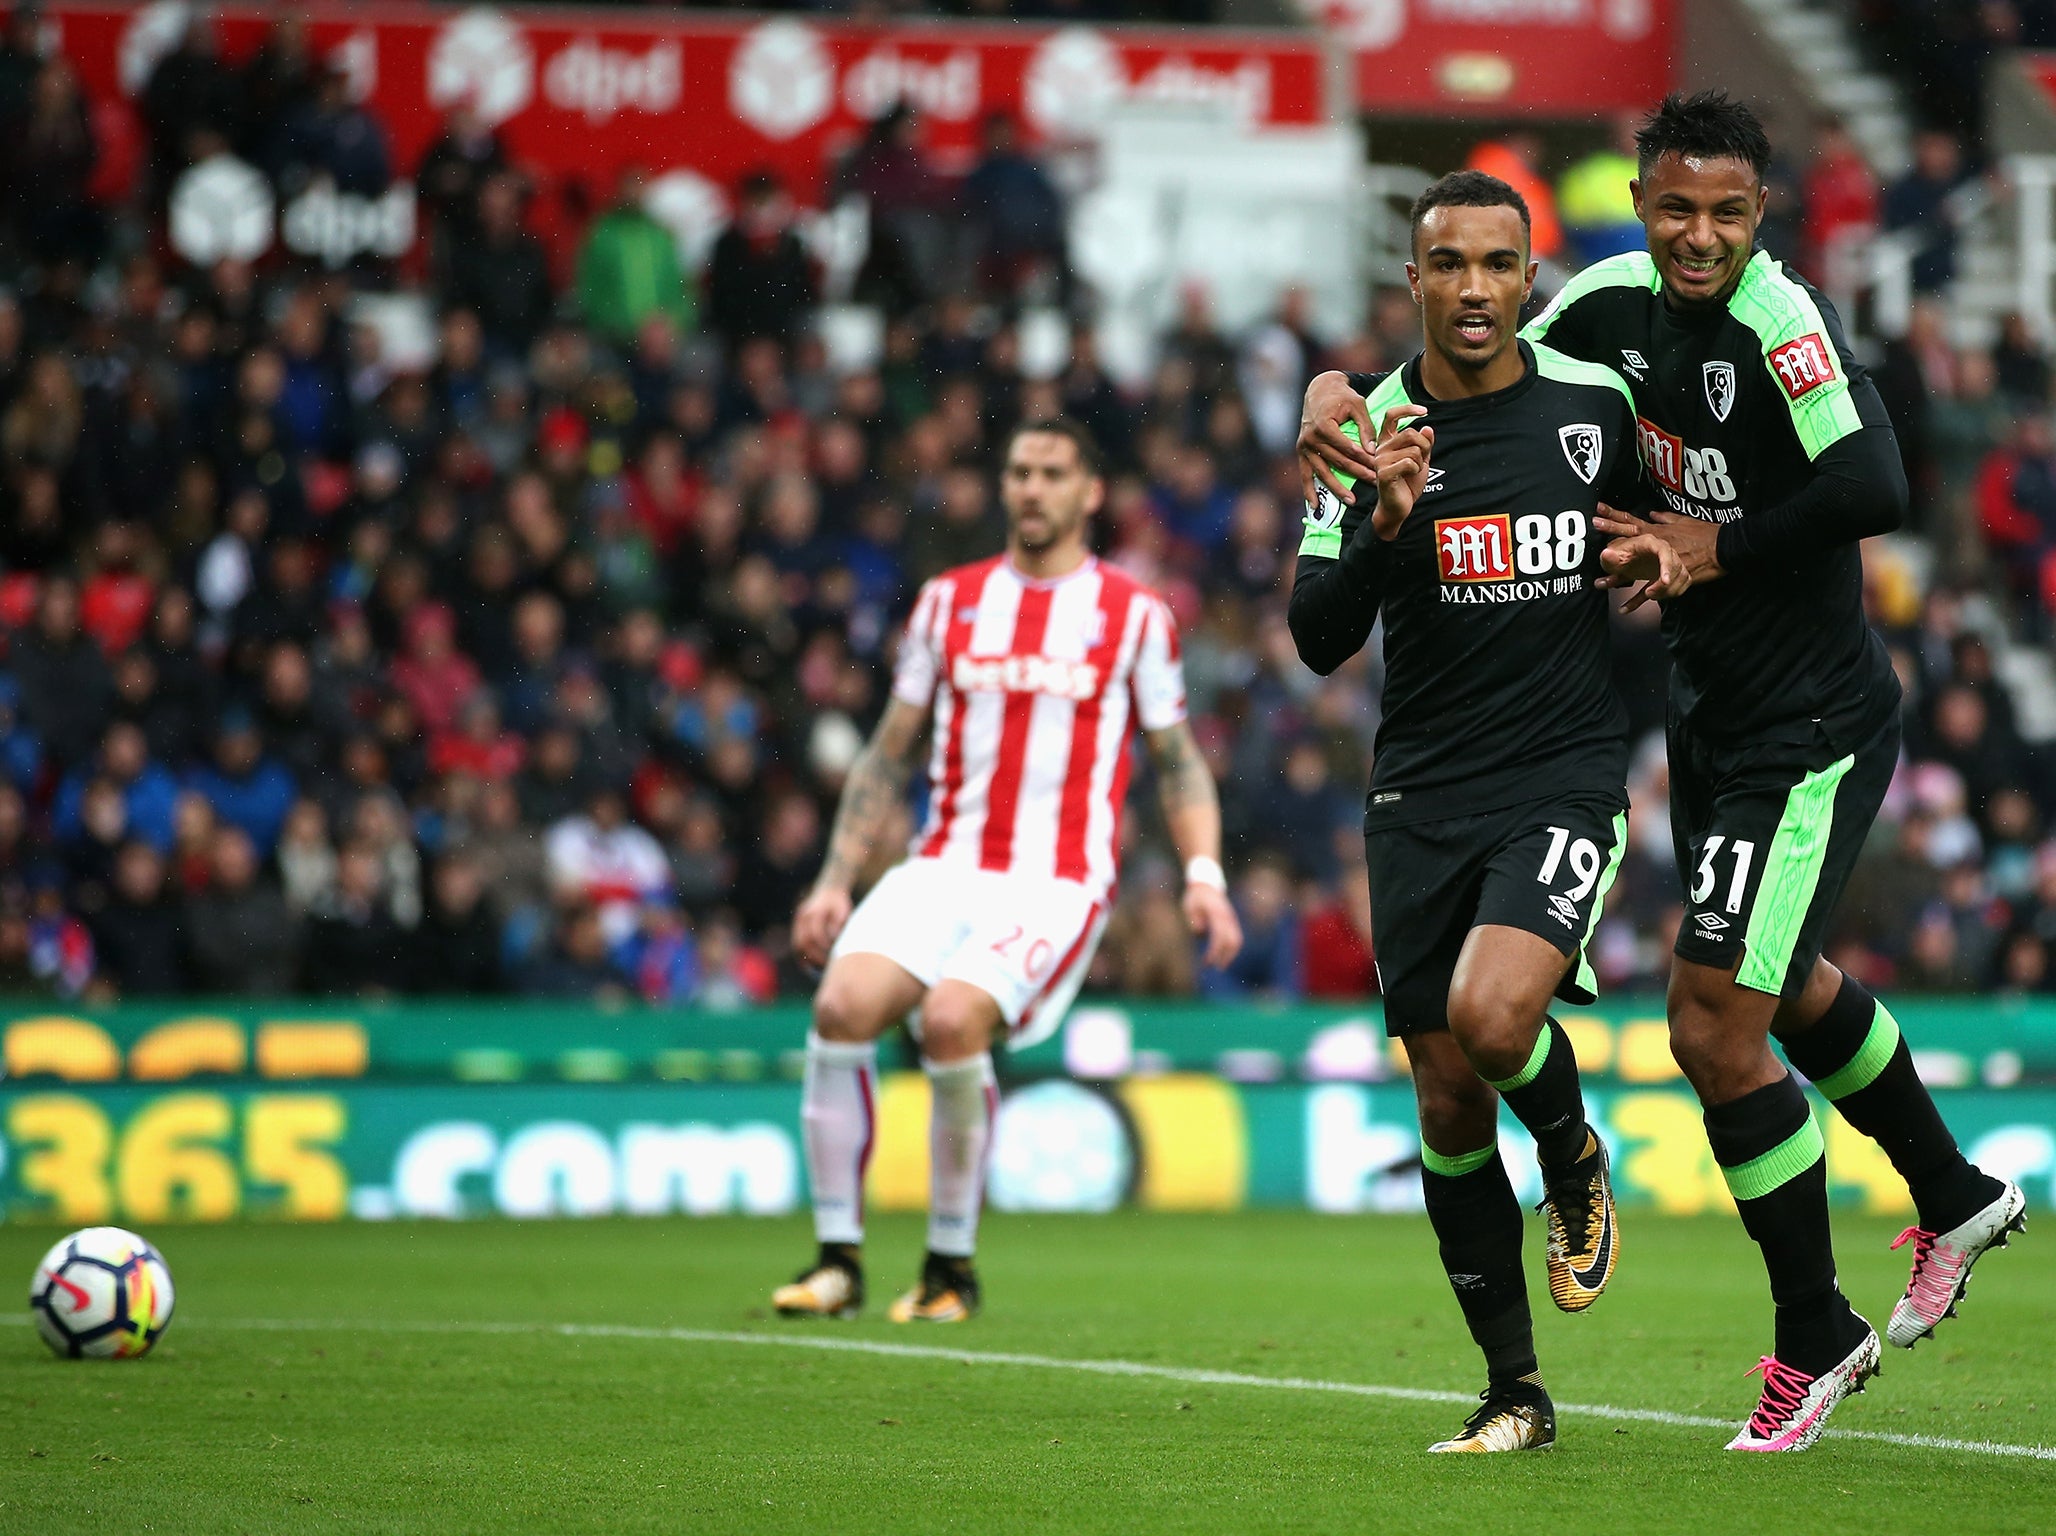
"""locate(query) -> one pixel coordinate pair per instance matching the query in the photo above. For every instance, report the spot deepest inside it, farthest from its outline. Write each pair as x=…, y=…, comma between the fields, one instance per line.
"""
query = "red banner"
x=585, y=93
x=1472, y=58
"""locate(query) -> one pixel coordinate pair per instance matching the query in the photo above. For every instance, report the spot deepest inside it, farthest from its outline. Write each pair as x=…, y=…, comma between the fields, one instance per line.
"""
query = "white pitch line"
x=1185, y=1375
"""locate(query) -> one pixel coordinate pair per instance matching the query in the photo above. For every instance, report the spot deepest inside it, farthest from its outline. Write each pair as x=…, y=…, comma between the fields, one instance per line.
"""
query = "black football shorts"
x=1544, y=866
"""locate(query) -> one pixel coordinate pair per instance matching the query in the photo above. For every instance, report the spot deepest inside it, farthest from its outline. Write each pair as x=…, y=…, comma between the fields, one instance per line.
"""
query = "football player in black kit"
x=1774, y=458
x=1496, y=815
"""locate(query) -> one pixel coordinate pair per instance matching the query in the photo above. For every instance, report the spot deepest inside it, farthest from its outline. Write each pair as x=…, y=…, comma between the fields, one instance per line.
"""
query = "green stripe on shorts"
x=1456, y=1167
x=1791, y=874
x=1779, y=1166
x=1874, y=1056
x=1588, y=979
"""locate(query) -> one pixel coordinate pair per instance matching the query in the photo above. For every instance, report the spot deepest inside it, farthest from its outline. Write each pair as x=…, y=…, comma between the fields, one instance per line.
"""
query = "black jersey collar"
x=1416, y=391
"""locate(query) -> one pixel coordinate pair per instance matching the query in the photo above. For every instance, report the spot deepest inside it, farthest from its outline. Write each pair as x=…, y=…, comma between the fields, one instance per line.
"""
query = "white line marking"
x=1132, y=1368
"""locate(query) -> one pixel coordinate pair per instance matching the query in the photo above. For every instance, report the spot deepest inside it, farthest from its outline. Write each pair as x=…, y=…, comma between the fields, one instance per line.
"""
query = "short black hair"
x=1710, y=125
x=1469, y=189
x=1064, y=426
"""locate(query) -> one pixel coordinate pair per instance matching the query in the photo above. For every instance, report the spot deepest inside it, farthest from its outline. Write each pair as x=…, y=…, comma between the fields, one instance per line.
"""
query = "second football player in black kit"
x=1496, y=815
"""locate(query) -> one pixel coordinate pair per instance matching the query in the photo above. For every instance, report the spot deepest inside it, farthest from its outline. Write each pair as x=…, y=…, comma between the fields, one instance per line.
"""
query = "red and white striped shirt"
x=1034, y=684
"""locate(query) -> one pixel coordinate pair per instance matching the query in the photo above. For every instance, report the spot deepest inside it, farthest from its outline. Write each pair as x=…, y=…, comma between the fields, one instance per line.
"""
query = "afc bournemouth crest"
x=1720, y=389
x=1582, y=446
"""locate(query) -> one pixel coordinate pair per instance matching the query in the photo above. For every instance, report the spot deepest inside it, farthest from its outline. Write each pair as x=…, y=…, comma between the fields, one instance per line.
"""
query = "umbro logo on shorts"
x=1711, y=923
x=1566, y=910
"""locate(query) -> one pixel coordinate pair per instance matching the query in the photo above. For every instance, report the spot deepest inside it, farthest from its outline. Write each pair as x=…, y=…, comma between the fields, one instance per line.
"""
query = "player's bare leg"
x=958, y=1025
x=1771, y=1154
x=1499, y=999
x=1848, y=1044
x=859, y=999
x=1477, y=1222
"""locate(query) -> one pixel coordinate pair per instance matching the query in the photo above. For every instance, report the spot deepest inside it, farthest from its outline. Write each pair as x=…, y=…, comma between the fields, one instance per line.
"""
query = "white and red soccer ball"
x=103, y=1294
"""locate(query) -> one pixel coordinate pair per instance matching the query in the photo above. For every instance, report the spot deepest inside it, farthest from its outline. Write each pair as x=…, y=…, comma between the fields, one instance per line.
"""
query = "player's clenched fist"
x=1402, y=460
x=818, y=923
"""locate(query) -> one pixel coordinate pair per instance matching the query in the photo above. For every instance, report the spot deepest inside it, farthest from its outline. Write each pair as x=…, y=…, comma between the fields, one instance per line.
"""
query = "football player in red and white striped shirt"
x=1033, y=664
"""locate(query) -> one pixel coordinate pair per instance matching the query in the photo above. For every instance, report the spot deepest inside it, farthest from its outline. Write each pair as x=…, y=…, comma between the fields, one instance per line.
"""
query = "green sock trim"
x=1533, y=1069
x=1779, y=1166
x=1456, y=1167
x=1874, y=1056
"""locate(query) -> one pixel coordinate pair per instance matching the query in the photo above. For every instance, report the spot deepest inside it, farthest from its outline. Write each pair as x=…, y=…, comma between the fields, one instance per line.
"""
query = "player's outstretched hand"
x=1207, y=910
x=1667, y=554
x=1402, y=460
x=1325, y=452
x=818, y=923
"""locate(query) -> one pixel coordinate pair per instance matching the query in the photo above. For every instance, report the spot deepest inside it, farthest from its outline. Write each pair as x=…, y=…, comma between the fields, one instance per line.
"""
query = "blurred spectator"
x=760, y=280
x=243, y=939
x=329, y=138
x=628, y=268
x=149, y=794
x=246, y=789
x=1840, y=196
x=66, y=688
x=911, y=257
x=1516, y=160
x=603, y=861
x=1919, y=202
x=501, y=273
x=1016, y=214
x=354, y=945
x=576, y=964
x=457, y=947
x=1593, y=200
x=1268, y=966
x=1335, y=959
x=138, y=947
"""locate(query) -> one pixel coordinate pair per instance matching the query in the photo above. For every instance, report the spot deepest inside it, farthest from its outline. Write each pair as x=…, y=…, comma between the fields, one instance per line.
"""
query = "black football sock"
x=1771, y=1154
x=1545, y=1097
x=1854, y=1055
x=1477, y=1221
x=842, y=1255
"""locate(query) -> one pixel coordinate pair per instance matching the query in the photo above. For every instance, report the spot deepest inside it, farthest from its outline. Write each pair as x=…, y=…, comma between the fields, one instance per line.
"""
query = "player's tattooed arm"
x=1192, y=811
x=877, y=783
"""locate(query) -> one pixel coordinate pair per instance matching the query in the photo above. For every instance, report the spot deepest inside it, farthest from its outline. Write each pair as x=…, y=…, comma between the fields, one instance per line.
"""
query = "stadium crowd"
x=537, y=670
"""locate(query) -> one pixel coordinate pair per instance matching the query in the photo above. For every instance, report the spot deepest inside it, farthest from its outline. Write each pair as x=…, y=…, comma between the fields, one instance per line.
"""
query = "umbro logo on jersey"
x=1635, y=362
x=1434, y=481
x=1711, y=923
x=1582, y=445
x=1566, y=910
x=1720, y=389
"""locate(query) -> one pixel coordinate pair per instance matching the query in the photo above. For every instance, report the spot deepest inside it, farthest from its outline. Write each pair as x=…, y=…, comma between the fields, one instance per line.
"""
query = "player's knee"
x=840, y=1013
x=1496, y=1032
x=1456, y=1111
x=954, y=1027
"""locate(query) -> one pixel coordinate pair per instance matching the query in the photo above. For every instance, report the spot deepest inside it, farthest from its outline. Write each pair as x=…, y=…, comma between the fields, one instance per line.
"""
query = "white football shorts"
x=1025, y=942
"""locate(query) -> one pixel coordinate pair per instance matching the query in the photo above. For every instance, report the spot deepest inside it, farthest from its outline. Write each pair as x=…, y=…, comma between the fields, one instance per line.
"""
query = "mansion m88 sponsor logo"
x=1499, y=558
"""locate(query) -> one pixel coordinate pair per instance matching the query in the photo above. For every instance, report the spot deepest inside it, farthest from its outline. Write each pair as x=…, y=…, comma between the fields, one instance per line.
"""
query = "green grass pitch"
x=363, y=1415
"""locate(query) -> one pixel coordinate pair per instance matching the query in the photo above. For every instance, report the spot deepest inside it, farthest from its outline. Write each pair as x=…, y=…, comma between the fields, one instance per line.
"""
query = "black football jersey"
x=1498, y=677
x=1733, y=404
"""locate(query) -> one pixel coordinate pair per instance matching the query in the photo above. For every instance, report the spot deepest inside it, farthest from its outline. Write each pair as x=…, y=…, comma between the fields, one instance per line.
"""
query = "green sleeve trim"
x=1779, y=1166
x=1791, y=873
x=1533, y=1069
x=1457, y=1167
x=1872, y=1058
x=1587, y=980
x=1323, y=522
x=1780, y=312
x=1552, y=364
x=1630, y=269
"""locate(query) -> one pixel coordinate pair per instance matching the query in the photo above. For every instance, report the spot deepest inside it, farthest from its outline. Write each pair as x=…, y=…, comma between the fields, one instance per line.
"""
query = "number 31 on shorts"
x=1742, y=851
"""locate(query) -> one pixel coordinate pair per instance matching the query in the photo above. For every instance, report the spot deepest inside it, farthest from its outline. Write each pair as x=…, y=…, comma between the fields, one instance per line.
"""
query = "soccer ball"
x=102, y=1292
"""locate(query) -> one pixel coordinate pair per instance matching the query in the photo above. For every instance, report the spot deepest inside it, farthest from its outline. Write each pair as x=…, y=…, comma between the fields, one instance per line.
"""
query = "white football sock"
x=964, y=1099
x=838, y=1112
